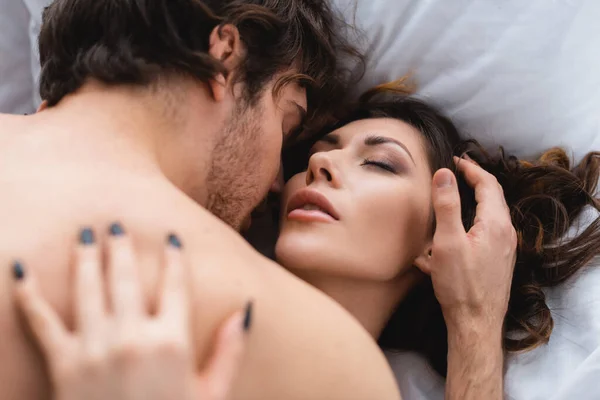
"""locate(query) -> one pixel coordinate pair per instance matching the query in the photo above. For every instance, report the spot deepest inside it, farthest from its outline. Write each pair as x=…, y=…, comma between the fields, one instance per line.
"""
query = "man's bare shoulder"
x=49, y=192
x=11, y=123
x=10, y=118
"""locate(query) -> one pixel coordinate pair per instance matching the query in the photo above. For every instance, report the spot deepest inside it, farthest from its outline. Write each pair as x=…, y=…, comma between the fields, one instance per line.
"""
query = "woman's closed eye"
x=380, y=164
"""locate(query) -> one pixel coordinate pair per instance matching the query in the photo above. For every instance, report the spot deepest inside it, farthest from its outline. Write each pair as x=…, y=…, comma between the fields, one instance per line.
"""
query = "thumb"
x=446, y=204
x=41, y=318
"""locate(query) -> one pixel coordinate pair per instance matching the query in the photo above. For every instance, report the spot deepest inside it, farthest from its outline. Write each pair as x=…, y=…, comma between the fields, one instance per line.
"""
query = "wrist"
x=475, y=331
x=476, y=320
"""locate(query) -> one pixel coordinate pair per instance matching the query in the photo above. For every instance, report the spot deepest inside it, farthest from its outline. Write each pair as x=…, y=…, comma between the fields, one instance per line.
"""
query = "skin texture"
x=143, y=158
x=381, y=241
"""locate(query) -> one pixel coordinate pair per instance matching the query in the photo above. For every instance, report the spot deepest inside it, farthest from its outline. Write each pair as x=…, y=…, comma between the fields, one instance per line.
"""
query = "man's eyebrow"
x=379, y=140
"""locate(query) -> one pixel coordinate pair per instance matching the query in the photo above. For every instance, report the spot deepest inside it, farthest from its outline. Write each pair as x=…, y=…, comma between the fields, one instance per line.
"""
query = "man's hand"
x=471, y=274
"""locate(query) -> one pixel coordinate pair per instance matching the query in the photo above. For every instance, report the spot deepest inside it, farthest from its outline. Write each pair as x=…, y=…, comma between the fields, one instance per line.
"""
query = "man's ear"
x=423, y=262
x=42, y=106
x=225, y=46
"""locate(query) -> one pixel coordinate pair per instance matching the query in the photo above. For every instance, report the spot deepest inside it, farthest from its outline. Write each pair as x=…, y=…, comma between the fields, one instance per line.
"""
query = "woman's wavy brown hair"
x=544, y=197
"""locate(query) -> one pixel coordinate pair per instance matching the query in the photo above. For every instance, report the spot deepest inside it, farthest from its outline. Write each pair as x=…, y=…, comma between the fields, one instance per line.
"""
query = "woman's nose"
x=322, y=168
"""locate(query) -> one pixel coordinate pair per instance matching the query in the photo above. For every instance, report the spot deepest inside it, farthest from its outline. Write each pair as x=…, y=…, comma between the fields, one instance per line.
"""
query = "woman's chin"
x=300, y=249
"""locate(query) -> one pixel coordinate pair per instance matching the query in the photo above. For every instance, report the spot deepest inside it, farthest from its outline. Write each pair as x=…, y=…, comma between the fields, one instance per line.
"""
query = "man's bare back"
x=54, y=180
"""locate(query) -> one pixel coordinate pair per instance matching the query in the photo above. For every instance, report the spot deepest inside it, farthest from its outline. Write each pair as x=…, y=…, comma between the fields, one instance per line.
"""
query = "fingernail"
x=86, y=237
x=443, y=179
x=174, y=241
x=469, y=159
x=248, y=317
x=18, y=271
x=116, y=229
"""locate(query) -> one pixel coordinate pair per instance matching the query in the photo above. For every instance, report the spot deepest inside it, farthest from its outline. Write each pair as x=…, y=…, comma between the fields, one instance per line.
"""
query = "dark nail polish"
x=174, y=241
x=248, y=317
x=18, y=271
x=116, y=229
x=86, y=236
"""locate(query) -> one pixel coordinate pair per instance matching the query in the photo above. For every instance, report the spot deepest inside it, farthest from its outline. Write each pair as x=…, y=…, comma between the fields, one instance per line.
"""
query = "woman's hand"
x=126, y=353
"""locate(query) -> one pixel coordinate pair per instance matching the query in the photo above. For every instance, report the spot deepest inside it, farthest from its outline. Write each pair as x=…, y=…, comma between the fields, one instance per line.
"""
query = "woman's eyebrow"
x=379, y=140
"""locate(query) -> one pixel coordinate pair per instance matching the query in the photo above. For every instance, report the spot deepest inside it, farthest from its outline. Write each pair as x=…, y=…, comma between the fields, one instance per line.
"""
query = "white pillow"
x=19, y=59
x=16, y=80
x=36, y=8
x=521, y=74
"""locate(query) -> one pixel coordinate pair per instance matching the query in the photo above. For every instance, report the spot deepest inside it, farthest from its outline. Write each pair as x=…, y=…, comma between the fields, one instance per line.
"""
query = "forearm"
x=475, y=364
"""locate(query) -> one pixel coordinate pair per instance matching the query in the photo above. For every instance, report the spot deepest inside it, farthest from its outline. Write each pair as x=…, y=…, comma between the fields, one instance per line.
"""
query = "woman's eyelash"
x=379, y=164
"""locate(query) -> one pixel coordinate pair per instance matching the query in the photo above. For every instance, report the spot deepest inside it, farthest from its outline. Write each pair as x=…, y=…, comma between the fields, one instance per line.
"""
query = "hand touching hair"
x=545, y=197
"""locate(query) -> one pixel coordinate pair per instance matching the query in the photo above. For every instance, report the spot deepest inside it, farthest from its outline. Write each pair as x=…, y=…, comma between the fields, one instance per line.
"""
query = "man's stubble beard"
x=231, y=185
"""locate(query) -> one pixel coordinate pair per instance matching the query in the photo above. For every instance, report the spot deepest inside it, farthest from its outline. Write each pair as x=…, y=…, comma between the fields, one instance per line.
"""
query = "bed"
x=521, y=74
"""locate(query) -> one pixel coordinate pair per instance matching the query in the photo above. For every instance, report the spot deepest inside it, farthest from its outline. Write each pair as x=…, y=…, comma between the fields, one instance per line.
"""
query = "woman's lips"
x=310, y=205
x=303, y=215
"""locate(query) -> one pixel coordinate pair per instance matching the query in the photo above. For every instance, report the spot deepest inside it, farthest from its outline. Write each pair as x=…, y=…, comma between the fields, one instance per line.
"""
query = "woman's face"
x=363, y=209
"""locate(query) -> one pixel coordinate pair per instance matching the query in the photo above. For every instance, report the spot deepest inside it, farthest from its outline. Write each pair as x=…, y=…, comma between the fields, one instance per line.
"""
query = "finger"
x=123, y=277
x=44, y=322
x=468, y=158
x=446, y=205
x=173, y=305
x=488, y=193
x=89, y=293
x=228, y=354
